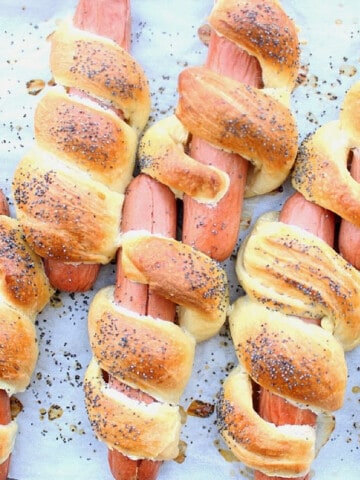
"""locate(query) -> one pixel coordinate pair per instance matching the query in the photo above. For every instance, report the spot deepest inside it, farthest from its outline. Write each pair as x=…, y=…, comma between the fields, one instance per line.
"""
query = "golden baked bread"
x=143, y=331
x=98, y=65
x=154, y=356
x=67, y=128
x=235, y=117
x=231, y=115
x=162, y=156
x=64, y=213
x=25, y=291
x=137, y=429
x=265, y=31
x=180, y=273
x=286, y=268
x=148, y=353
x=283, y=451
x=301, y=361
x=68, y=189
x=288, y=273
x=321, y=169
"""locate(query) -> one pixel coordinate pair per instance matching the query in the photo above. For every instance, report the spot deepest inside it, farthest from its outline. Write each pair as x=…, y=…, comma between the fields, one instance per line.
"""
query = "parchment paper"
x=55, y=440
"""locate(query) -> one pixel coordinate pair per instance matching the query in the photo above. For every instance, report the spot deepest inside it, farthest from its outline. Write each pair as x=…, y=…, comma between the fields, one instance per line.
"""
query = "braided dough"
x=162, y=156
x=301, y=362
x=235, y=117
x=100, y=66
x=153, y=355
x=25, y=291
x=263, y=30
x=68, y=189
x=320, y=171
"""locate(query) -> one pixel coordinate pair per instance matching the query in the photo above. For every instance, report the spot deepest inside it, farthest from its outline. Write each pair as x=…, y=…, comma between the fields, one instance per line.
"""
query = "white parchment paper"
x=55, y=441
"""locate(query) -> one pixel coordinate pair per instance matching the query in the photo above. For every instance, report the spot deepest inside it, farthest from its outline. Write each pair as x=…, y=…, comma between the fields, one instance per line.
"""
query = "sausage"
x=155, y=212
x=5, y=412
x=68, y=277
x=317, y=220
x=349, y=234
x=110, y=19
x=210, y=228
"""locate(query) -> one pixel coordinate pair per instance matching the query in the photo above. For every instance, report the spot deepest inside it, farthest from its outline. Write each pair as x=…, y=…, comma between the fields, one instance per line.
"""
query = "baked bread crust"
x=25, y=291
x=87, y=135
x=139, y=350
x=64, y=213
x=7, y=439
x=23, y=282
x=265, y=31
x=97, y=65
x=288, y=269
x=137, y=429
x=284, y=451
x=242, y=120
x=69, y=187
x=299, y=361
x=182, y=274
x=321, y=169
x=162, y=156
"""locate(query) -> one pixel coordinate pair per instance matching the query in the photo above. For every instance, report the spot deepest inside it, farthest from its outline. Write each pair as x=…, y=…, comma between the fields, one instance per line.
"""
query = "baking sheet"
x=55, y=440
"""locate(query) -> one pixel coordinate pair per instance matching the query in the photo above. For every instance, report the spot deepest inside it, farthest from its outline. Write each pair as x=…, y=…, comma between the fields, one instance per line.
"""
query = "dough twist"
x=68, y=189
x=25, y=291
x=288, y=273
x=230, y=115
x=149, y=353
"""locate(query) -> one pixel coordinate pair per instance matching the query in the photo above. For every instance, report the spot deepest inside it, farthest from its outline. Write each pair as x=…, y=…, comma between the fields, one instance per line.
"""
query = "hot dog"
x=112, y=20
x=87, y=130
x=210, y=229
x=317, y=220
x=150, y=360
x=158, y=204
x=221, y=118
